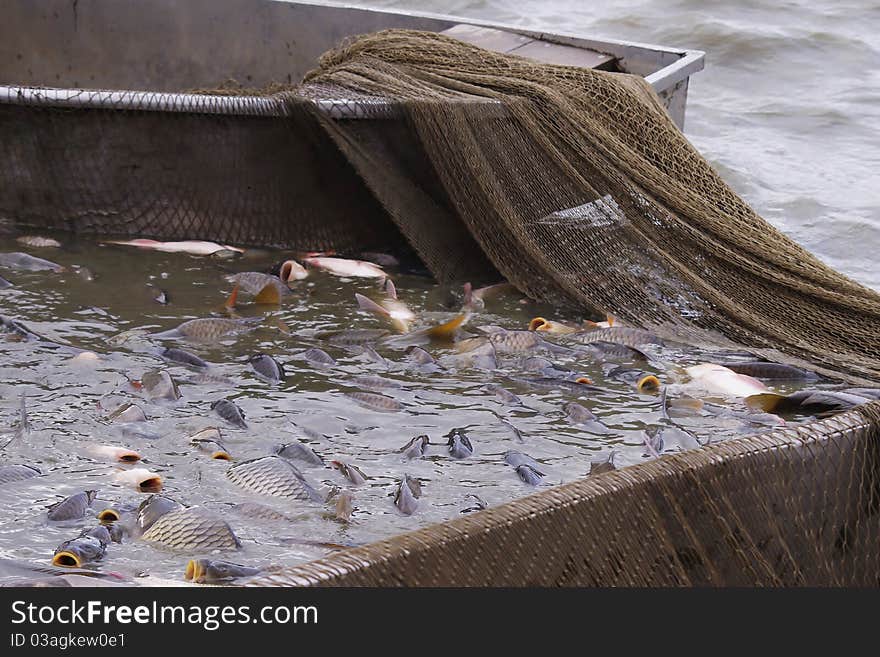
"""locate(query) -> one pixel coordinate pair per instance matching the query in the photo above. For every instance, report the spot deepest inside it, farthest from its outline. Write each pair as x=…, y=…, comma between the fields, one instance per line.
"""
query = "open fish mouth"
x=67, y=559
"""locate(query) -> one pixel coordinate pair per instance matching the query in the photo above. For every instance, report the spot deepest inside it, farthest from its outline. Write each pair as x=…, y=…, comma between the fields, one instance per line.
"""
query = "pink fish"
x=344, y=267
x=192, y=247
x=717, y=379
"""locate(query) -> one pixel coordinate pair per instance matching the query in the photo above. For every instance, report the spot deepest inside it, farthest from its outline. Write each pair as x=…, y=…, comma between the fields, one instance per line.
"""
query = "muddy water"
x=107, y=290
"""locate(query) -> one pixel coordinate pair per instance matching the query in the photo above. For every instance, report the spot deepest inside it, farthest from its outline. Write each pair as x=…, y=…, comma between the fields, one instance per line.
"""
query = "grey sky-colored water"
x=788, y=107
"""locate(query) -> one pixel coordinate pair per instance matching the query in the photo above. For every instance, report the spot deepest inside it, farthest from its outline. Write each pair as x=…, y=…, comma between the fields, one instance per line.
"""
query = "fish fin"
x=269, y=295
x=367, y=304
x=446, y=330
x=765, y=401
x=610, y=320
x=233, y=297
x=390, y=290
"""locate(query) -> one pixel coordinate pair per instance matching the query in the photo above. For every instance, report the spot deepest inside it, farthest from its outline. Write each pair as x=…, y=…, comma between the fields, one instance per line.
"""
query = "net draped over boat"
x=578, y=188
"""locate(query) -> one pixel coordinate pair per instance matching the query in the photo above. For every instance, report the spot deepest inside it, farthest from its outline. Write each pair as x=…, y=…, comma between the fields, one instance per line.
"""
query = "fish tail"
x=233, y=297
x=446, y=330
x=269, y=295
x=765, y=401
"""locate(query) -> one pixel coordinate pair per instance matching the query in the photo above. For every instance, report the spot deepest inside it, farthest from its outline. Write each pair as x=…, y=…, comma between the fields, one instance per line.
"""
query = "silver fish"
x=318, y=357
x=516, y=459
x=88, y=547
x=622, y=335
x=11, y=473
x=351, y=472
x=416, y=447
x=273, y=476
x=215, y=571
x=376, y=383
x=297, y=451
x=353, y=336
x=478, y=505
x=503, y=394
x=230, y=412
x=459, y=444
x=375, y=401
x=653, y=439
x=419, y=356
x=583, y=417
x=344, y=507
x=407, y=494
x=38, y=242
x=176, y=355
x=254, y=282
x=267, y=367
x=192, y=529
x=153, y=508
x=127, y=413
x=529, y=474
x=26, y=262
x=211, y=328
x=205, y=441
x=73, y=507
x=158, y=384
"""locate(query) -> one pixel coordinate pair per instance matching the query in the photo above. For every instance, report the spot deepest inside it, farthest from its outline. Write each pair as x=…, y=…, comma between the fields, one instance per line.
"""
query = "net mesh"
x=578, y=188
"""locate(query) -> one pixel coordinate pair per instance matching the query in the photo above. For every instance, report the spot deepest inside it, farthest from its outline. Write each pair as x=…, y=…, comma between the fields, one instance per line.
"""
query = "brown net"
x=579, y=189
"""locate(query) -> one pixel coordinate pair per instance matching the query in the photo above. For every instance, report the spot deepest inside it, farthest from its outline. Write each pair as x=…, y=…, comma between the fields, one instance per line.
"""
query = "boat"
x=104, y=133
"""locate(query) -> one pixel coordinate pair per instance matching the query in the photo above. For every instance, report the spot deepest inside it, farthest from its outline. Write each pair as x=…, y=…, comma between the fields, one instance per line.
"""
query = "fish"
x=376, y=382
x=611, y=351
x=38, y=242
x=318, y=357
x=208, y=441
x=516, y=459
x=113, y=453
x=352, y=336
x=374, y=401
x=351, y=472
x=598, y=466
x=267, y=367
x=260, y=511
x=419, y=356
x=529, y=475
x=273, y=476
x=557, y=328
x=191, y=247
x=162, y=298
x=515, y=432
x=344, y=507
x=481, y=356
x=717, y=379
x=215, y=571
x=297, y=451
x=622, y=335
x=391, y=310
x=653, y=439
x=479, y=504
x=255, y=283
x=406, y=496
x=675, y=434
x=475, y=299
x=127, y=412
x=291, y=270
x=373, y=356
x=230, y=412
x=137, y=430
x=192, y=529
x=211, y=328
x=772, y=371
x=73, y=507
x=517, y=342
x=381, y=259
x=645, y=382
x=346, y=268
x=158, y=385
x=12, y=473
x=88, y=547
x=153, y=508
x=206, y=378
x=805, y=401
x=507, y=397
x=459, y=444
x=584, y=417
x=141, y=479
x=176, y=355
x=578, y=386
x=26, y=262
x=416, y=447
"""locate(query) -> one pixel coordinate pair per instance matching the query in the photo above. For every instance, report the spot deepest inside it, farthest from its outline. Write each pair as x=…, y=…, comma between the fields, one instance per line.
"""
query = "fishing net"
x=578, y=188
